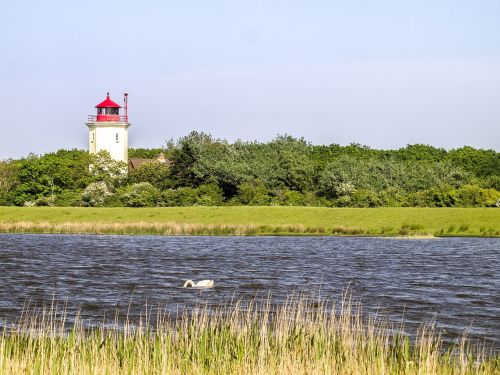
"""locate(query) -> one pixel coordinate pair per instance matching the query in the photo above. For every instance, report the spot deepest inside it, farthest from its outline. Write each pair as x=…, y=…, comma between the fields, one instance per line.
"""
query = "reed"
x=302, y=336
x=198, y=229
x=172, y=228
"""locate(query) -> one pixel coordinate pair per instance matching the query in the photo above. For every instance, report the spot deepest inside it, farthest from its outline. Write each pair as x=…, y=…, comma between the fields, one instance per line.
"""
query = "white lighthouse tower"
x=108, y=130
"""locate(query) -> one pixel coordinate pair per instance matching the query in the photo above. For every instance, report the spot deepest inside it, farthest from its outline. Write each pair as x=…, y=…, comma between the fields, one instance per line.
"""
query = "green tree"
x=420, y=153
x=481, y=163
x=252, y=193
x=145, y=153
x=8, y=182
x=285, y=170
x=154, y=172
x=103, y=168
x=294, y=165
x=185, y=154
x=50, y=174
x=343, y=176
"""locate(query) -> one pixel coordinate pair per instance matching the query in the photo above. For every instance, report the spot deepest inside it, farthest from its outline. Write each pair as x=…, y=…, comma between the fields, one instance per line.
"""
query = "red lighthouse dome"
x=109, y=111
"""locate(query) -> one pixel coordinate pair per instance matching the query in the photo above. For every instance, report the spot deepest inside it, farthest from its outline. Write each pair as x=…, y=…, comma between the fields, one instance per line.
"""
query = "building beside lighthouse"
x=108, y=129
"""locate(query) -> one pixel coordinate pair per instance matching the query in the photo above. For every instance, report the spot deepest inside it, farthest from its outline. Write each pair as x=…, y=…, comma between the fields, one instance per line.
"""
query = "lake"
x=452, y=281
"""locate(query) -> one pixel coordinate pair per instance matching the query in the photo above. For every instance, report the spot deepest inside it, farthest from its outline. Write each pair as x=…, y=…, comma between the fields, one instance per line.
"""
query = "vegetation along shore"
x=302, y=336
x=252, y=220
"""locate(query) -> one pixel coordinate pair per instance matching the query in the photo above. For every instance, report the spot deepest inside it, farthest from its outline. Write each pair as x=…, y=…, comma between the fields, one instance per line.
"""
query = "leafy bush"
x=95, y=194
x=474, y=196
x=287, y=197
x=391, y=197
x=466, y=196
x=178, y=197
x=209, y=195
x=154, y=172
x=204, y=195
x=441, y=197
x=253, y=193
x=168, y=198
x=142, y=194
x=343, y=201
x=312, y=199
x=186, y=196
x=418, y=199
x=344, y=188
x=491, y=182
x=341, y=177
x=44, y=202
x=365, y=198
x=68, y=198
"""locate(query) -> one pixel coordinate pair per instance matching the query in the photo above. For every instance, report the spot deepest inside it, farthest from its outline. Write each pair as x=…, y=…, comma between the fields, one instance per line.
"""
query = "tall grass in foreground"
x=303, y=336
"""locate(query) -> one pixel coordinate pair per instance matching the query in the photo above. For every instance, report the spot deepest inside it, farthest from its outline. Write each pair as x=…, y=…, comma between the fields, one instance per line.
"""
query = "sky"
x=379, y=73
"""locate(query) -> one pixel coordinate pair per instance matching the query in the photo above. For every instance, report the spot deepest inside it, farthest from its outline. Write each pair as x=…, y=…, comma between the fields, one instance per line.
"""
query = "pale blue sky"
x=381, y=73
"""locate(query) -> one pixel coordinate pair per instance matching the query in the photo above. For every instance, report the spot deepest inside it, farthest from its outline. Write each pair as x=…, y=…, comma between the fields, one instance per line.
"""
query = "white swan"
x=199, y=284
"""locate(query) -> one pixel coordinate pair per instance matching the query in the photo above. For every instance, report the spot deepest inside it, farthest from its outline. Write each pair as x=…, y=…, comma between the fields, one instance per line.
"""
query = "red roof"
x=108, y=103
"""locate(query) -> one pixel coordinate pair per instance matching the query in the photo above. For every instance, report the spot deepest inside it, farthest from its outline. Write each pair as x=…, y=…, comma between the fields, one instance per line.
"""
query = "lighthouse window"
x=111, y=111
x=117, y=140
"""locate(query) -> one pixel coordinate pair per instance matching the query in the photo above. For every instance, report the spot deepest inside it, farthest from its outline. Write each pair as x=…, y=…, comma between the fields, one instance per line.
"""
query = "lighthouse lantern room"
x=108, y=129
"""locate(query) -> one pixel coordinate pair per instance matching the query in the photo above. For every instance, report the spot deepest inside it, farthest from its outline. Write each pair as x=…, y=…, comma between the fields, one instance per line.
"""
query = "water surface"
x=454, y=281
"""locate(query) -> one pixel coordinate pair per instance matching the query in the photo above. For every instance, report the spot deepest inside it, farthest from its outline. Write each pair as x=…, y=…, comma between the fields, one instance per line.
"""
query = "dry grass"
x=303, y=336
x=172, y=228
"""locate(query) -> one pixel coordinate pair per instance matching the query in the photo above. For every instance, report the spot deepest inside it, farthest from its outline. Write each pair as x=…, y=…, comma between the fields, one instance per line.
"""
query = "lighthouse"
x=108, y=129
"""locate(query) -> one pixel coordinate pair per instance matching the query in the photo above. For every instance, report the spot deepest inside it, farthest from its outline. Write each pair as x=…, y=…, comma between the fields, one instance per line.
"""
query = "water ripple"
x=454, y=282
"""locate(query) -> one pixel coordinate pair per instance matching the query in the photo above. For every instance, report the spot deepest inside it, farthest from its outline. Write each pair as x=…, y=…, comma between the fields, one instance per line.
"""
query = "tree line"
x=203, y=170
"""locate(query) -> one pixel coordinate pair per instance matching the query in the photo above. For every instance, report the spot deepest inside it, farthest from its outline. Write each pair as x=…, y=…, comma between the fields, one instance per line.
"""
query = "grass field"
x=244, y=220
x=303, y=336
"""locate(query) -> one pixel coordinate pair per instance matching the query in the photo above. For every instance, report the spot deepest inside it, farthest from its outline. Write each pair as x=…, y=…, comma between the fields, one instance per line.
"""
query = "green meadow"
x=250, y=220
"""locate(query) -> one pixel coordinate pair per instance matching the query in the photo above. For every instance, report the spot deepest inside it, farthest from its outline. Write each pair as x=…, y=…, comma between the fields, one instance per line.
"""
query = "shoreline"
x=255, y=221
x=183, y=229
